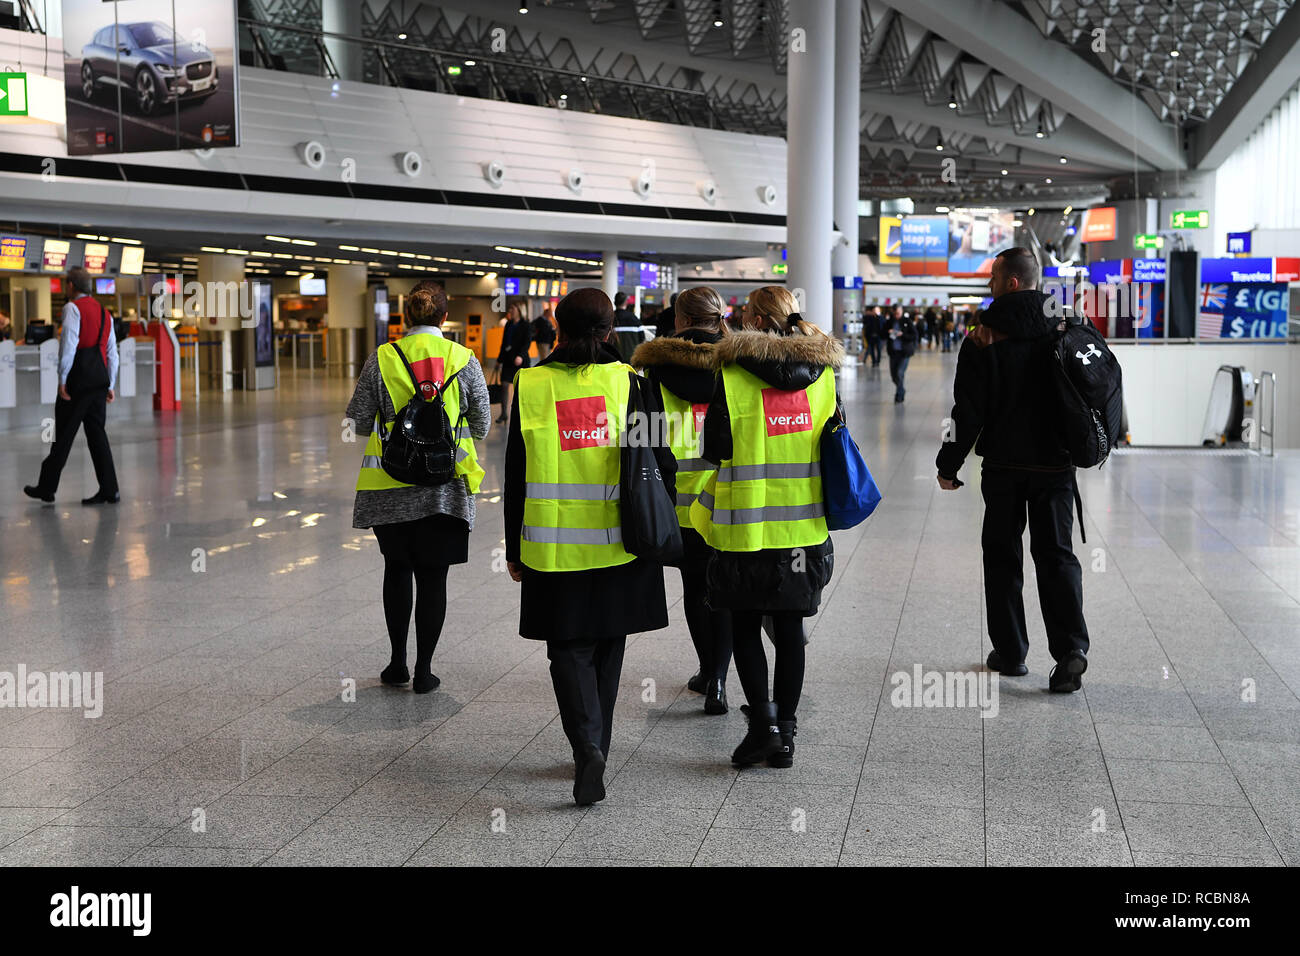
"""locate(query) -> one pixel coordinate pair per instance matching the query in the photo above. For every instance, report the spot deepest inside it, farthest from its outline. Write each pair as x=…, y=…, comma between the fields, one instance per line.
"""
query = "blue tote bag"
x=847, y=486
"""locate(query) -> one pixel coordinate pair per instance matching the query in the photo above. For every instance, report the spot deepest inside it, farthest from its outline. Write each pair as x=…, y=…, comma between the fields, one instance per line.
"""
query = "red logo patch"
x=428, y=372
x=583, y=422
x=786, y=412
x=700, y=409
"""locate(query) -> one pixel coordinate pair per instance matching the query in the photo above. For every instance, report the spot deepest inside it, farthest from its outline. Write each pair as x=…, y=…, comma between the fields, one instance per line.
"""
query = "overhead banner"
x=1098, y=224
x=977, y=236
x=891, y=240
x=924, y=246
x=150, y=75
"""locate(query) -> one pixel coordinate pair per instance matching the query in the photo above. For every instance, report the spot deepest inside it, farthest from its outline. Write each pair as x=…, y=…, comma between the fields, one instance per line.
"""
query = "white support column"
x=609, y=273
x=811, y=135
x=344, y=16
x=846, y=283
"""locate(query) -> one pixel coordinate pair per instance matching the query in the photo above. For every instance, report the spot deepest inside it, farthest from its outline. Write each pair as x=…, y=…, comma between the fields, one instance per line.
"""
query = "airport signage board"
x=780, y=268
x=13, y=94
x=1110, y=271
x=1148, y=240
x=96, y=257
x=173, y=64
x=132, y=261
x=1238, y=243
x=1098, y=224
x=13, y=252
x=1149, y=270
x=1236, y=270
x=54, y=256
x=1286, y=270
x=1190, y=219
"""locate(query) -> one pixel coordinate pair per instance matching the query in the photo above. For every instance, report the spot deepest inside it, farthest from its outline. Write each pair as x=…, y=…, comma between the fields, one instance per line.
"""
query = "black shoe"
x=785, y=756
x=898, y=399
x=715, y=697
x=1009, y=670
x=425, y=683
x=100, y=499
x=1067, y=675
x=395, y=674
x=500, y=420
x=763, y=739
x=589, y=776
x=31, y=491
x=699, y=683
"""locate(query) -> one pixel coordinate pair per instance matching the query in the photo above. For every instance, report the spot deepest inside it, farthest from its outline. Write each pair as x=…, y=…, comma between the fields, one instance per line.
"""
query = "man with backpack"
x=1008, y=407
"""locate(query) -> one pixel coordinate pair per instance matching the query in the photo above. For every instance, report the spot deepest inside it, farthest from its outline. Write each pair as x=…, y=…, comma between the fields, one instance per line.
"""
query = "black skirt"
x=592, y=605
x=435, y=539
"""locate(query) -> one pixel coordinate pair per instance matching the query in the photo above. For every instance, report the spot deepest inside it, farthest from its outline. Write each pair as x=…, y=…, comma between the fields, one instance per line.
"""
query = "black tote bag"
x=89, y=372
x=649, y=514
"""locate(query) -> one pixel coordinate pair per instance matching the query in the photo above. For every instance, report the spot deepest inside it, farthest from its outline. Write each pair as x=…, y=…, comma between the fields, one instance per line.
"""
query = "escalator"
x=1230, y=414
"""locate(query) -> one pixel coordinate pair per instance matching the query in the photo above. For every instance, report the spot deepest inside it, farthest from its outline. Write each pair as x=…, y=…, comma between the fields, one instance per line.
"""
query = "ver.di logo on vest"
x=429, y=373
x=583, y=422
x=786, y=412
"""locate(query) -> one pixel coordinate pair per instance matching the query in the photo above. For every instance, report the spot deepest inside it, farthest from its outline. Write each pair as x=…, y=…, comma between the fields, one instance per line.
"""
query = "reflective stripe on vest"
x=769, y=493
x=424, y=352
x=684, y=440
x=571, y=418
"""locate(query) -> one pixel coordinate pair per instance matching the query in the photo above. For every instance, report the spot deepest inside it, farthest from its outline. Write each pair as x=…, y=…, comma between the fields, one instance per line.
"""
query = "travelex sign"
x=1242, y=270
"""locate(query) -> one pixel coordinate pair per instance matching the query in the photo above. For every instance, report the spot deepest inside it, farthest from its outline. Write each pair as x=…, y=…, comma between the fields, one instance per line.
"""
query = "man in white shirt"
x=87, y=370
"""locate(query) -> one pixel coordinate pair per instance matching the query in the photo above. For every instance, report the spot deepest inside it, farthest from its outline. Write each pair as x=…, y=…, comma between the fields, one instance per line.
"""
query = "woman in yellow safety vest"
x=421, y=530
x=763, y=510
x=680, y=368
x=581, y=592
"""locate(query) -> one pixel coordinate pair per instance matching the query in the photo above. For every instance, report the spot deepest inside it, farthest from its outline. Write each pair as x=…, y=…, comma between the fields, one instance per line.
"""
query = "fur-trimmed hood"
x=789, y=362
x=682, y=363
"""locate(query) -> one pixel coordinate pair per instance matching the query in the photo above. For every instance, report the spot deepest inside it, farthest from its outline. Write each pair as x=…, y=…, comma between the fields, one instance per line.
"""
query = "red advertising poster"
x=1286, y=270
x=1098, y=224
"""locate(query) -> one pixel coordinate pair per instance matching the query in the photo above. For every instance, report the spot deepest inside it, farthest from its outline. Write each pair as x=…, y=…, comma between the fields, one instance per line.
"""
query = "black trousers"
x=897, y=369
x=710, y=629
x=86, y=409
x=1046, y=501
x=585, y=675
x=873, y=349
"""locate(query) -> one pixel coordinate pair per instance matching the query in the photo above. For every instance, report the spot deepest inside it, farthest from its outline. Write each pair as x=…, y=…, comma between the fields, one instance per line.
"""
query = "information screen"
x=96, y=257
x=132, y=261
x=54, y=257
x=13, y=252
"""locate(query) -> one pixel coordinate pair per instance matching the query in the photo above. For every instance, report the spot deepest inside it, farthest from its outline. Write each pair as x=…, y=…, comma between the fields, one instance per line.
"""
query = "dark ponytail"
x=585, y=317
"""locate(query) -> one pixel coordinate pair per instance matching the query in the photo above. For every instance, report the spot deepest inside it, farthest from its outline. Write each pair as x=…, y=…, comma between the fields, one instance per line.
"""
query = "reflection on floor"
x=227, y=602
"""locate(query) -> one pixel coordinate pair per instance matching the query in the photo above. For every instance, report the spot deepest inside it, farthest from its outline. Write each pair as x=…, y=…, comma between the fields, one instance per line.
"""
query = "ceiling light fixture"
x=1004, y=172
x=1064, y=160
x=401, y=36
x=523, y=6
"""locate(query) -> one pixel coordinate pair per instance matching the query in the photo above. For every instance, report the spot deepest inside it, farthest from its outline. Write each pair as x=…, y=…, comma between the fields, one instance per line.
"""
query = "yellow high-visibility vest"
x=769, y=493
x=685, y=424
x=571, y=418
x=434, y=359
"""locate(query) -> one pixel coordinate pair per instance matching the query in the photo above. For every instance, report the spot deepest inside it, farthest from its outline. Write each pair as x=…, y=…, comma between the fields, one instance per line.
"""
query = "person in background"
x=680, y=368
x=871, y=330
x=762, y=510
x=6, y=326
x=623, y=316
x=666, y=321
x=949, y=330
x=516, y=340
x=544, y=333
x=1007, y=410
x=581, y=592
x=900, y=335
x=422, y=531
x=87, y=358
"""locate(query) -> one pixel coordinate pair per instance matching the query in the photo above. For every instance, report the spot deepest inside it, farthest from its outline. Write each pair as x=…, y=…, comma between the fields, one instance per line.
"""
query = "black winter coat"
x=904, y=325
x=582, y=605
x=773, y=579
x=1005, y=404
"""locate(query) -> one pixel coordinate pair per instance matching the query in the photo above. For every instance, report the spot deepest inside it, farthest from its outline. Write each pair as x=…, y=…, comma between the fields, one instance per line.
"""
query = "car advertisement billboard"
x=924, y=250
x=150, y=75
x=976, y=236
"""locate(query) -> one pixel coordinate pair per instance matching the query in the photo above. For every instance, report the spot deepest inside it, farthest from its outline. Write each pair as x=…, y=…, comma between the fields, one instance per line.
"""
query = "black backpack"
x=1090, y=387
x=421, y=448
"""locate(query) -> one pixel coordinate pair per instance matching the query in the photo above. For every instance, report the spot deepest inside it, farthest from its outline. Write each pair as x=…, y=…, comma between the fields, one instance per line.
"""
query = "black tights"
x=751, y=661
x=402, y=567
x=710, y=629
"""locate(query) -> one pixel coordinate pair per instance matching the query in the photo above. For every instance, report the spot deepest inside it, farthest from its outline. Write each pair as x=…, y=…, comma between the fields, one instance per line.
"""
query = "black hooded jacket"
x=1005, y=404
x=773, y=579
x=681, y=363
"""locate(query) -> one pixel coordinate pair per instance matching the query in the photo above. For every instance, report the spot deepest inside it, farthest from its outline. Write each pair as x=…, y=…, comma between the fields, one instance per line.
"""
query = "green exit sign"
x=1190, y=219
x=13, y=94
x=453, y=71
x=780, y=268
x=1145, y=240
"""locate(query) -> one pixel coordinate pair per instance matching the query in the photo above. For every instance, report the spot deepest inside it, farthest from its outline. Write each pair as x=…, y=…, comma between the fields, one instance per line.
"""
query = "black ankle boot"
x=715, y=697
x=785, y=756
x=588, y=776
x=426, y=682
x=763, y=739
x=395, y=674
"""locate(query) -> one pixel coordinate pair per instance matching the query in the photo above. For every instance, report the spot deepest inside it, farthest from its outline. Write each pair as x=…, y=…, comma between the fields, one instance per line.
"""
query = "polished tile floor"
x=228, y=603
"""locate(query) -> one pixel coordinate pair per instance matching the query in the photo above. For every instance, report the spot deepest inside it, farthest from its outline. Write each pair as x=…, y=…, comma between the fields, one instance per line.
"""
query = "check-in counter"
x=29, y=382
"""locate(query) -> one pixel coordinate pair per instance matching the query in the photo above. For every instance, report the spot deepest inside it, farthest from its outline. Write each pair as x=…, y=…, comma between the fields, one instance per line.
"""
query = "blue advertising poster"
x=1236, y=270
x=1239, y=310
x=924, y=246
x=1149, y=270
